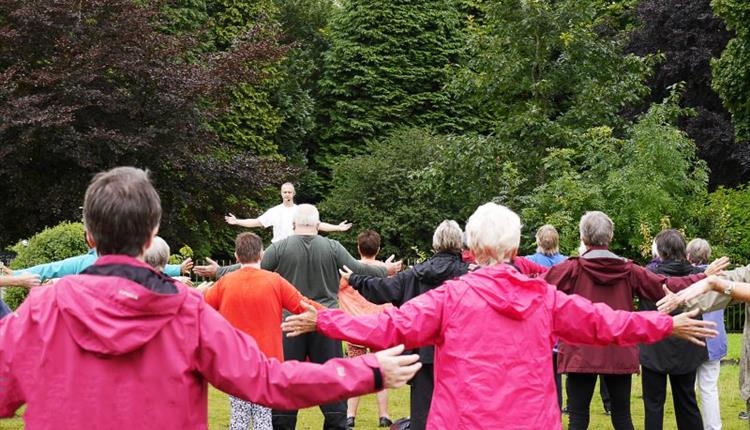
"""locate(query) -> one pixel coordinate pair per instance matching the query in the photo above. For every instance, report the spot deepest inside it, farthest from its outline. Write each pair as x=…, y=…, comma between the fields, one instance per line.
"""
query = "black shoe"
x=350, y=422
x=385, y=422
x=743, y=415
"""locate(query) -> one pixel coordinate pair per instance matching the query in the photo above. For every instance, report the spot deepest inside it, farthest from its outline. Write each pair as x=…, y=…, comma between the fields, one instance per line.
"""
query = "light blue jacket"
x=76, y=265
x=546, y=260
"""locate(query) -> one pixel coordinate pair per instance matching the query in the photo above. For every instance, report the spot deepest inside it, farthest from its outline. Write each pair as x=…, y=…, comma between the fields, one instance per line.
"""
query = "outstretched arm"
x=417, y=323
x=231, y=361
x=578, y=321
x=342, y=226
x=380, y=290
x=248, y=222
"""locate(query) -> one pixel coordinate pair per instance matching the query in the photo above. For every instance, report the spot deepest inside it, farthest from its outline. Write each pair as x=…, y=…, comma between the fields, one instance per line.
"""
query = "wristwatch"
x=728, y=290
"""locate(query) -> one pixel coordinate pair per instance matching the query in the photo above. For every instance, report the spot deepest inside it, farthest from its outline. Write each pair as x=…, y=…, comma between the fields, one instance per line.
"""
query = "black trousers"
x=683, y=395
x=421, y=396
x=580, y=389
x=318, y=349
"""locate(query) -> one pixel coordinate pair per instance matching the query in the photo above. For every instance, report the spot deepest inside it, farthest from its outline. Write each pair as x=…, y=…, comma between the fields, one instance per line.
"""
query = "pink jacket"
x=493, y=330
x=104, y=352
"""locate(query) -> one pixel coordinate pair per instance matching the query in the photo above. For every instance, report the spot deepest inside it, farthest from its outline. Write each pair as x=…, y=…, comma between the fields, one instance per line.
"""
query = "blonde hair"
x=491, y=232
x=448, y=237
x=547, y=240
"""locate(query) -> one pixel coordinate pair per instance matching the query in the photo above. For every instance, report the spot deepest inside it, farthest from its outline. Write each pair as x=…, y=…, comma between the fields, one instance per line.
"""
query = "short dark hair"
x=671, y=245
x=368, y=243
x=121, y=210
x=248, y=247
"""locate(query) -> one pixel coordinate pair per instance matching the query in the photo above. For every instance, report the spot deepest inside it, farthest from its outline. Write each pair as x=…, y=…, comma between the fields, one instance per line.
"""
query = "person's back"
x=252, y=300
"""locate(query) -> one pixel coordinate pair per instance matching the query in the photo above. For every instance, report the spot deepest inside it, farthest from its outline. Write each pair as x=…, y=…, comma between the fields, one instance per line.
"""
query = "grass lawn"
x=311, y=419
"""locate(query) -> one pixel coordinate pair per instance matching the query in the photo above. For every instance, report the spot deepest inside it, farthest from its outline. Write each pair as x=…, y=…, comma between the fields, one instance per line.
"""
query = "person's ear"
x=90, y=240
x=236, y=258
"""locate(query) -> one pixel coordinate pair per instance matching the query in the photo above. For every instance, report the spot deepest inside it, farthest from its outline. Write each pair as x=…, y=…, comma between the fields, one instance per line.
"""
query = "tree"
x=687, y=35
x=407, y=183
x=85, y=86
x=732, y=70
x=650, y=173
x=387, y=67
x=541, y=73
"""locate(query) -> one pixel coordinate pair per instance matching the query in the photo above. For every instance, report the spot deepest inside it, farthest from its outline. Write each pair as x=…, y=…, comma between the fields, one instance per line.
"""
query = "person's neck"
x=288, y=204
x=306, y=231
x=255, y=265
x=364, y=259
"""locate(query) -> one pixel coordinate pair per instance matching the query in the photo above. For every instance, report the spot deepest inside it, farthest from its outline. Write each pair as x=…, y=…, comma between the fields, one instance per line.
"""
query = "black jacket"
x=671, y=355
x=410, y=283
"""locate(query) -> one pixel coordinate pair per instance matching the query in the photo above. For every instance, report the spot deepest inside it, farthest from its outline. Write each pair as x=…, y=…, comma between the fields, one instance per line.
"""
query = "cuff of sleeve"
x=372, y=362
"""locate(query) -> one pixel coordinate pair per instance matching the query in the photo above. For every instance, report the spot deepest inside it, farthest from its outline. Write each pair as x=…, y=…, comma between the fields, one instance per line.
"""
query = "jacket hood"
x=675, y=268
x=113, y=315
x=440, y=267
x=604, y=267
x=507, y=291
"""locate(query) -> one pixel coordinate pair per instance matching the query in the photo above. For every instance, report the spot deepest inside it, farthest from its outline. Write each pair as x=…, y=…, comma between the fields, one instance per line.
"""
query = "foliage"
x=85, y=86
x=387, y=68
x=650, y=173
x=732, y=70
x=688, y=35
x=722, y=218
x=406, y=184
x=540, y=73
x=51, y=244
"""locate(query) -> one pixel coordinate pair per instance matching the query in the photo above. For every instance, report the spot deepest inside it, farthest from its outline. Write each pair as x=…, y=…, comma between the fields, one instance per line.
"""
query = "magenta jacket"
x=493, y=331
x=106, y=352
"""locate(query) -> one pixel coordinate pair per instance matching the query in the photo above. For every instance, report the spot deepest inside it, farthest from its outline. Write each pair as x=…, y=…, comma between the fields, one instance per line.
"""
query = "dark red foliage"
x=86, y=85
x=689, y=35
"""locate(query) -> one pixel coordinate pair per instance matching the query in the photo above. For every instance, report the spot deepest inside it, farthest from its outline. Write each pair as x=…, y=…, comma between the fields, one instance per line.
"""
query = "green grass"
x=311, y=419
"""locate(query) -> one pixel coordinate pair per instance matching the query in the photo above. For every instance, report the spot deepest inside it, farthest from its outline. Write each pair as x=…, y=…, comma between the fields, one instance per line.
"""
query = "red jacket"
x=603, y=277
x=493, y=330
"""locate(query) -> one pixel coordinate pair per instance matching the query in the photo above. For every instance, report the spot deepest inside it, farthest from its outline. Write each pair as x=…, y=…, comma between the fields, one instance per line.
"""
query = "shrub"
x=51, y=244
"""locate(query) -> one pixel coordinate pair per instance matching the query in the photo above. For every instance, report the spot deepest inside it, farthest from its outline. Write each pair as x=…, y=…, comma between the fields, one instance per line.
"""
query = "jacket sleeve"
x=712, y=300
x=291, y=298
x=223, y=270
x=648, y=284
x=343, y=258
x=417, y=323
x=383, y=290
x=11, y=330
x=172, y=270
x=58, y=269
x=576, y=320
x=231, y=361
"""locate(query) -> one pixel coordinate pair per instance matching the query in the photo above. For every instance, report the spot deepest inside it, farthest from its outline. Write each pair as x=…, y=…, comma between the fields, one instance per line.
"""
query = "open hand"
x=306, y=322
x=344, y=226
x=186, y=266
x=717, y=266
x=692, y=330
x=207, y=271
x=397, y=369
x=230, y=219
x=346, y=272
x=392, y=267
x=672, y=301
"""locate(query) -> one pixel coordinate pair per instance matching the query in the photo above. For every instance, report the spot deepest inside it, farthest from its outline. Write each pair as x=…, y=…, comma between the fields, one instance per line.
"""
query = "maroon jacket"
x=603, y=277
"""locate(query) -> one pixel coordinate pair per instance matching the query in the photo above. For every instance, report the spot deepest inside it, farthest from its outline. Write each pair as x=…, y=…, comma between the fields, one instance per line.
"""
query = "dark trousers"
x=558, y=380
x=580, y=389
x=318, y=349
x=421, y=396
x=683, y=395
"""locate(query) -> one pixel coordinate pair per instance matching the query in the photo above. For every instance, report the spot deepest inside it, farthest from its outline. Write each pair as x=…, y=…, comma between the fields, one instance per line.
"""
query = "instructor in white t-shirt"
x=280, y=217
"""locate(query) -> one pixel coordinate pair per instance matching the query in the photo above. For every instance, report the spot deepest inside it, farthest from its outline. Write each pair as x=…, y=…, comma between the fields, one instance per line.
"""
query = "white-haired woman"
x=493, y=329
x=445, y=264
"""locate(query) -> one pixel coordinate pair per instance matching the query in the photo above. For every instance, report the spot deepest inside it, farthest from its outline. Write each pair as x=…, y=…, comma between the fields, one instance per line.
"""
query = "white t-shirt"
x=281, y=218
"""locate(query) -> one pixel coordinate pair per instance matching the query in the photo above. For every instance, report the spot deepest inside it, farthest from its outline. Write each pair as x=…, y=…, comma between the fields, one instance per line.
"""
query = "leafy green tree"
x=51, y=244
x=541, y=73
x=407, y=183
x=732, y=70
x=388, y=66
x=650, y=173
